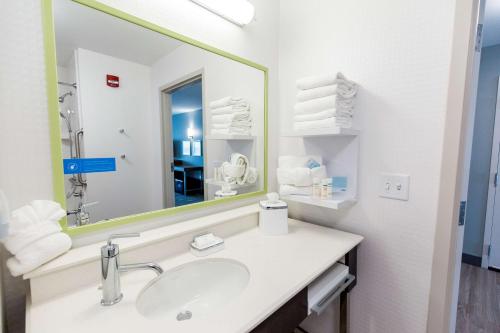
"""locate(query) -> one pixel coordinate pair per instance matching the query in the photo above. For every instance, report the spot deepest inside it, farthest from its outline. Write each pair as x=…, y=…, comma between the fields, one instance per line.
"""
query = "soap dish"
x=214, y=247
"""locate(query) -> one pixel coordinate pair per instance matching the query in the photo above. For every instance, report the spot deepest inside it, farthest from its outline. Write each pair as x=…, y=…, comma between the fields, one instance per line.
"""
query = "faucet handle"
x=127, y=235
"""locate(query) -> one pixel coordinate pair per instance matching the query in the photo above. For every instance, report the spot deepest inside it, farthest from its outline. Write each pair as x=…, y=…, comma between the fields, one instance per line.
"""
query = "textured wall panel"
x=399, y=52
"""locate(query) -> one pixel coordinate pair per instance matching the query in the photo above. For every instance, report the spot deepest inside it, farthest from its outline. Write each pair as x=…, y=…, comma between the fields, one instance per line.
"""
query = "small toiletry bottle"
x=329, y=187
x=324, y=188
x=316, y=188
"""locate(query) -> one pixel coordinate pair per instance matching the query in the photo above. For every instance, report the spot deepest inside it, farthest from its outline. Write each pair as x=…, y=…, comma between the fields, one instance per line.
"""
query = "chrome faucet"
x=111, y=268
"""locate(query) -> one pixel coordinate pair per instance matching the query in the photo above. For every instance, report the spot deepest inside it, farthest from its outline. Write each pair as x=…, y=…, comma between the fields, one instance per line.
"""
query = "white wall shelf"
x=337, y=131
x=229, y=137
x=335, y=203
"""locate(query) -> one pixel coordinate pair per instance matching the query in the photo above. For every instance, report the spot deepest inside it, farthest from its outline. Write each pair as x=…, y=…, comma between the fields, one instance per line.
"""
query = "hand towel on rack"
x=322, y=115
x=295, y=190
x=316, y=81
x=290, y=161
x=324, y=103
x=226, y=101
x=38, y=253
x=230, y=109
x=334, y=89
x=324, y=123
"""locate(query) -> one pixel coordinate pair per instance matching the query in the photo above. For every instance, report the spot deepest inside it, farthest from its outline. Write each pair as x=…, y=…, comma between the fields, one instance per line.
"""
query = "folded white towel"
x=289, y=161
x=321, y=124
x=224, y=118
x=32, y=222
x=300, y=176
x=225, y=101
x=296, y=176
x=312, y=82
x=295, y=190
x=322, y=115
x=324, y=103
x=38, y=253
x=231, y=130
x=243, y=107
x=245, y=124
x=342, y=90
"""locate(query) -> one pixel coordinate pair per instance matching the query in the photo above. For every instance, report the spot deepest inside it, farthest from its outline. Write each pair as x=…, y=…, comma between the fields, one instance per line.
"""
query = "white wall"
x=104, y=111
x=399, y=52
x=221, y=77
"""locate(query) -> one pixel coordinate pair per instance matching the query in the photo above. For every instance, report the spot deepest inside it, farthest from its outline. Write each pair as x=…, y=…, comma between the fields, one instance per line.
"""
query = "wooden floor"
x=479, y=301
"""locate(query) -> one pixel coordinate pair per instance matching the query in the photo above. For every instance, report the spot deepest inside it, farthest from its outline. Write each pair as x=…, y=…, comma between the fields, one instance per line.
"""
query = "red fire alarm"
x=112, y=81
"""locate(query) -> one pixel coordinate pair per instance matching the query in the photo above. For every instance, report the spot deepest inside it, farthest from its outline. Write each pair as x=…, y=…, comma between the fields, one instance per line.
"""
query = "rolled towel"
x=38, y=253
x=321, y=115
x=253, y=174
x=289, y=161
x=241, y=160
x=226, y=101
x=321, y=124
x=295, y=190
x=230, y=109
x=335, y=89
x=32, y=222
x=316, y=81
x=322, y=104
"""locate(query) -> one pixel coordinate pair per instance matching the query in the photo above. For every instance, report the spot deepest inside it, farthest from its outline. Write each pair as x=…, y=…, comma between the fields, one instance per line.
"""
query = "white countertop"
x=280, y=266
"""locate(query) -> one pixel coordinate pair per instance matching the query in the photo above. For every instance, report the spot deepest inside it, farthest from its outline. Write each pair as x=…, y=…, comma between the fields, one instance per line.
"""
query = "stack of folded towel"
x=296, y=174
x=35, y=236
x=325, y=101
x=231, y=115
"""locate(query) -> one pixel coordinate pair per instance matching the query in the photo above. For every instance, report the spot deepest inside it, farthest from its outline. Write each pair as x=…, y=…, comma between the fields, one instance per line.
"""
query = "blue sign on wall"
x=88, y=165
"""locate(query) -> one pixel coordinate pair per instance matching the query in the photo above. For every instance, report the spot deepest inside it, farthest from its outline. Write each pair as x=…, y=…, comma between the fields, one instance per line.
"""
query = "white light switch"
x=394, y=186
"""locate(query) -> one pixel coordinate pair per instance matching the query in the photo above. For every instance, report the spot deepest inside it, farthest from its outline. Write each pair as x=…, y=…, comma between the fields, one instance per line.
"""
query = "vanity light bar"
x=239, y=12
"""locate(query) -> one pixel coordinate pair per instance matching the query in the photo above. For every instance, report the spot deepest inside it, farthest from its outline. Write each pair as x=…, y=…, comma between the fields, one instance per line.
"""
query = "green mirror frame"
x=55, y=133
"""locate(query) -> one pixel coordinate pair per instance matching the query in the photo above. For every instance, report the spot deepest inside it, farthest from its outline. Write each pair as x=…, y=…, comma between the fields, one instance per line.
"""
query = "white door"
x=492, y=223
x=465, y=180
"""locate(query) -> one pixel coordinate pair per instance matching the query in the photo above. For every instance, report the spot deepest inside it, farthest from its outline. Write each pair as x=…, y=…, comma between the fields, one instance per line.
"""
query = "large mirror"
x=150, y=122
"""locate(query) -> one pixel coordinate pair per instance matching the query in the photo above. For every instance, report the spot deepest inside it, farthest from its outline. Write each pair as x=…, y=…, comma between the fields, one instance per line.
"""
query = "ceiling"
x=187, y=98
x=491, y=28
x=80, y=26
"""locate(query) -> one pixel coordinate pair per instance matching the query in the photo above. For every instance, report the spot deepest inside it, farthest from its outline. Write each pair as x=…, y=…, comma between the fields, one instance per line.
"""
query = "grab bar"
x=78, y=136
x=319, y=307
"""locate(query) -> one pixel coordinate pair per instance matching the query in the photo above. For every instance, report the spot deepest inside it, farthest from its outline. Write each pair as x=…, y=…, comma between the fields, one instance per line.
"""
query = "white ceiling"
x=491, y=28
x=80, y=26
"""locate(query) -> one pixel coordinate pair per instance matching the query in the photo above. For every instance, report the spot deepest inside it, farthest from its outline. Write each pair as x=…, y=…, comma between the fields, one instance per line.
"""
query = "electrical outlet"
x=394, y=186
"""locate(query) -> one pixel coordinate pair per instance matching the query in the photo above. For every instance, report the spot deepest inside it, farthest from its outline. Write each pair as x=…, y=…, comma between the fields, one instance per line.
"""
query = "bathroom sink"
x=193, y=289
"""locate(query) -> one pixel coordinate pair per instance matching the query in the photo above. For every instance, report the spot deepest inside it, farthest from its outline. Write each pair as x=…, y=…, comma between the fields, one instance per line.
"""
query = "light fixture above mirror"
x=239, y=12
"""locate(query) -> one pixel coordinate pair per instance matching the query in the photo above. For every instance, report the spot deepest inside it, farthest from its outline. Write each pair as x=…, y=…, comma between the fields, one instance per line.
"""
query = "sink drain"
x=184, y=315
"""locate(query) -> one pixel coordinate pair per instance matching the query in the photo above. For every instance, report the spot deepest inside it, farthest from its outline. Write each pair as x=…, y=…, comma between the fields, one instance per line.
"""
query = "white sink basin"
x=193, y=289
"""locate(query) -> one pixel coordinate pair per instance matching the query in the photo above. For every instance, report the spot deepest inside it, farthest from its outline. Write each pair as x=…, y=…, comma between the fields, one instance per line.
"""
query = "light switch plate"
x=394, y=186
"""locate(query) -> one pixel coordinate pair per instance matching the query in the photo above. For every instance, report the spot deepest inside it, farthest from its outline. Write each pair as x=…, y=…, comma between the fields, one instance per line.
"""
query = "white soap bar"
x=205, y=241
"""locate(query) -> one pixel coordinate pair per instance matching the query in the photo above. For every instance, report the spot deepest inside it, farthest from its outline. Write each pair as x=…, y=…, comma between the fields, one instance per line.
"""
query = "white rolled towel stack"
x=35, y=236
x=325, y=101
x=296, y=174
x=230, y=115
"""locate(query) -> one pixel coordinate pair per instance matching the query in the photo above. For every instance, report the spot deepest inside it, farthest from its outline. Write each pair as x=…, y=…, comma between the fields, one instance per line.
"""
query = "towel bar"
x=320, y=306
